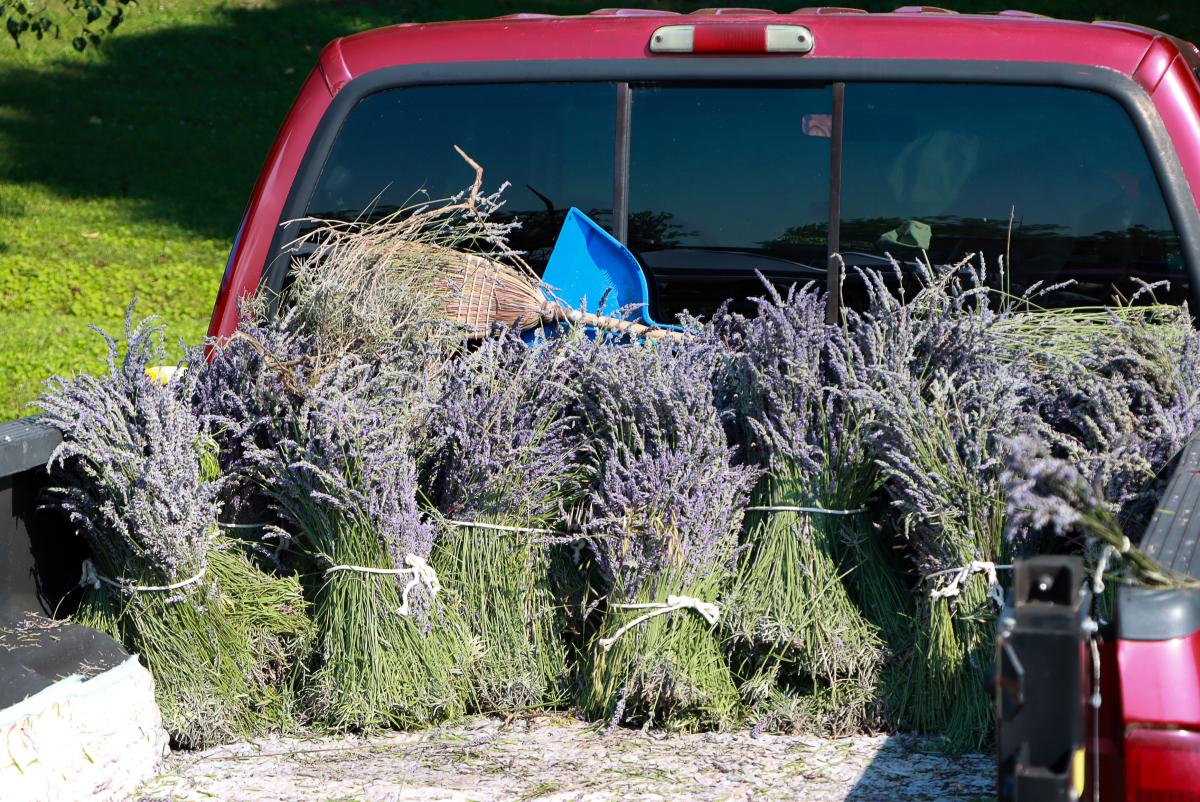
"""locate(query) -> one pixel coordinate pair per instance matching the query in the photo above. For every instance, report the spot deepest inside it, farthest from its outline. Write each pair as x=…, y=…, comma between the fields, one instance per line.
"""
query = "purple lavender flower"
x=1121, y=410
x=788, y=378
x=1044, y=493
x=130, y=464
x=503, y=444
x=666, y=493
x=246, y=384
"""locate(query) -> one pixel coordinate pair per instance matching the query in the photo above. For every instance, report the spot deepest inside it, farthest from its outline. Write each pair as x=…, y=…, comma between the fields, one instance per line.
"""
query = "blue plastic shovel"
x=588, y=266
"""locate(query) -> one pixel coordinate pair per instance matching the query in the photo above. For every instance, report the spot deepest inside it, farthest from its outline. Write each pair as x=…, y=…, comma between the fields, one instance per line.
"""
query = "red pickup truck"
x=728, y=141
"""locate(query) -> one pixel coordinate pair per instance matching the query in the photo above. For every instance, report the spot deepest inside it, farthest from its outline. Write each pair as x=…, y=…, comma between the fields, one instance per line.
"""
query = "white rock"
x=82, y=740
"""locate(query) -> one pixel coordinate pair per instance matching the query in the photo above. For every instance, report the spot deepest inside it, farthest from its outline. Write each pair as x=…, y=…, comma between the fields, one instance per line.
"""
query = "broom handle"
x=614, y=324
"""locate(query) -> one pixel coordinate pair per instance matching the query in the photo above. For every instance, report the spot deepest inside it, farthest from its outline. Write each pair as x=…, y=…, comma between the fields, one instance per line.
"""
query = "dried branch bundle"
x=441, y=271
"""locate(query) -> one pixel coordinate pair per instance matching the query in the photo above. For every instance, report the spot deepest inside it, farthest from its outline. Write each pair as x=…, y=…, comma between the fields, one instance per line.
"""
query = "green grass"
x=124, y=171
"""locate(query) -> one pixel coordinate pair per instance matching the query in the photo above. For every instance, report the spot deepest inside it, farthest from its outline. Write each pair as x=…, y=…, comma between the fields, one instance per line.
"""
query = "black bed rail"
x=25, y=444
x=1172, y=538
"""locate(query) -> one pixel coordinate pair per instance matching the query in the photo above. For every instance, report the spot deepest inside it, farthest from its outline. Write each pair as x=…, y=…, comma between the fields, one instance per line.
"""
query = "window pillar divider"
x=620, y=211
x=833, y=266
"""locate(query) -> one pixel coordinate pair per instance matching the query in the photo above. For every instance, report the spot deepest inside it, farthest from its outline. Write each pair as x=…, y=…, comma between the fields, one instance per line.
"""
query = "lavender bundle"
x=945, y=396
x=940, y=448
x=666, y=504
x=501, y=471
x=1048, y=494
x=1115, y=411
x=791, y=611
x=216, y=633
x=340, y=472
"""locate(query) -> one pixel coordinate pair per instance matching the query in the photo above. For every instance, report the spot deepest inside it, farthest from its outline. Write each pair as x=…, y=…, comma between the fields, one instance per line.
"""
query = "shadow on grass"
x=180, y=119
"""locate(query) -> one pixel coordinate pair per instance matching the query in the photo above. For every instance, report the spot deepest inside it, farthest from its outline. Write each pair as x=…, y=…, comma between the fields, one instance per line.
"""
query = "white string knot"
x=422, y=574
x=1106, y=553
x=708, y=610
x=577, y=549
x=520, y=530
x=953, y=587
x=91, y=577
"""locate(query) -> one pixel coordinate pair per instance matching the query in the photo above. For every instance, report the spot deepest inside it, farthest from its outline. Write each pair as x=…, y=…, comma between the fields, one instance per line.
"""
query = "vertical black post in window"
x=833, y=264
x=621, y=165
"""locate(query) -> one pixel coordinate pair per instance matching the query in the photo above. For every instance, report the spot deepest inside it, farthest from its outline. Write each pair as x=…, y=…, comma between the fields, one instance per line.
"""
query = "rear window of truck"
x=727, y=180
x=1054, y=180
x=719, y=178
x=553, y=144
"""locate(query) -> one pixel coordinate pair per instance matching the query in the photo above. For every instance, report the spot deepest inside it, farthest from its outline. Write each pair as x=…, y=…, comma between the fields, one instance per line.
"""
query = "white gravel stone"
x=559, y=759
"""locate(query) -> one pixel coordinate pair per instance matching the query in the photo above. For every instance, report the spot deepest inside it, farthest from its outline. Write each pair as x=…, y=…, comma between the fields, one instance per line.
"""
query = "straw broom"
x=479, y=294
x=363, y=281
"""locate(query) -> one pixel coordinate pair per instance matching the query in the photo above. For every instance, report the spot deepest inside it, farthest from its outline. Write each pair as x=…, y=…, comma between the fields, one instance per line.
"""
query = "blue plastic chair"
x=588, y=265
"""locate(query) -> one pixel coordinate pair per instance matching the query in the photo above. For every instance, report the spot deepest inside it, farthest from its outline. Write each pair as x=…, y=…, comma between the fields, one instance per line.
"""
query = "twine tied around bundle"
x=520, y=530
x=422, y=574
x=708, y=610
x=1107, y=553
x=809, y=510
x=547, y=536
x=91, y=577
x=961, y=574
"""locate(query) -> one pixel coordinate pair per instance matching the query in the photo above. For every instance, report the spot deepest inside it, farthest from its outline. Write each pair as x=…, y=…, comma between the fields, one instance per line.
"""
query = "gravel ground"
x=559, y=759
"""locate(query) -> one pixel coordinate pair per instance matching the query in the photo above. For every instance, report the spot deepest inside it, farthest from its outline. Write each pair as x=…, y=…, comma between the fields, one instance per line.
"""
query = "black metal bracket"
x=1042, y=681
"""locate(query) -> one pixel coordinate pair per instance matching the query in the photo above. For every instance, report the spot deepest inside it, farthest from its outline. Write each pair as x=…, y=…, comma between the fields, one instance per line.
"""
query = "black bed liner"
x=39, y=564
x=25, y=444
x=36, y=652
x=1172, y=538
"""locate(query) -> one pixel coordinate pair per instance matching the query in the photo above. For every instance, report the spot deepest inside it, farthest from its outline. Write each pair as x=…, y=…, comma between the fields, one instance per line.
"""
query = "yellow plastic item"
x=1077, y=773
x=162, y=373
